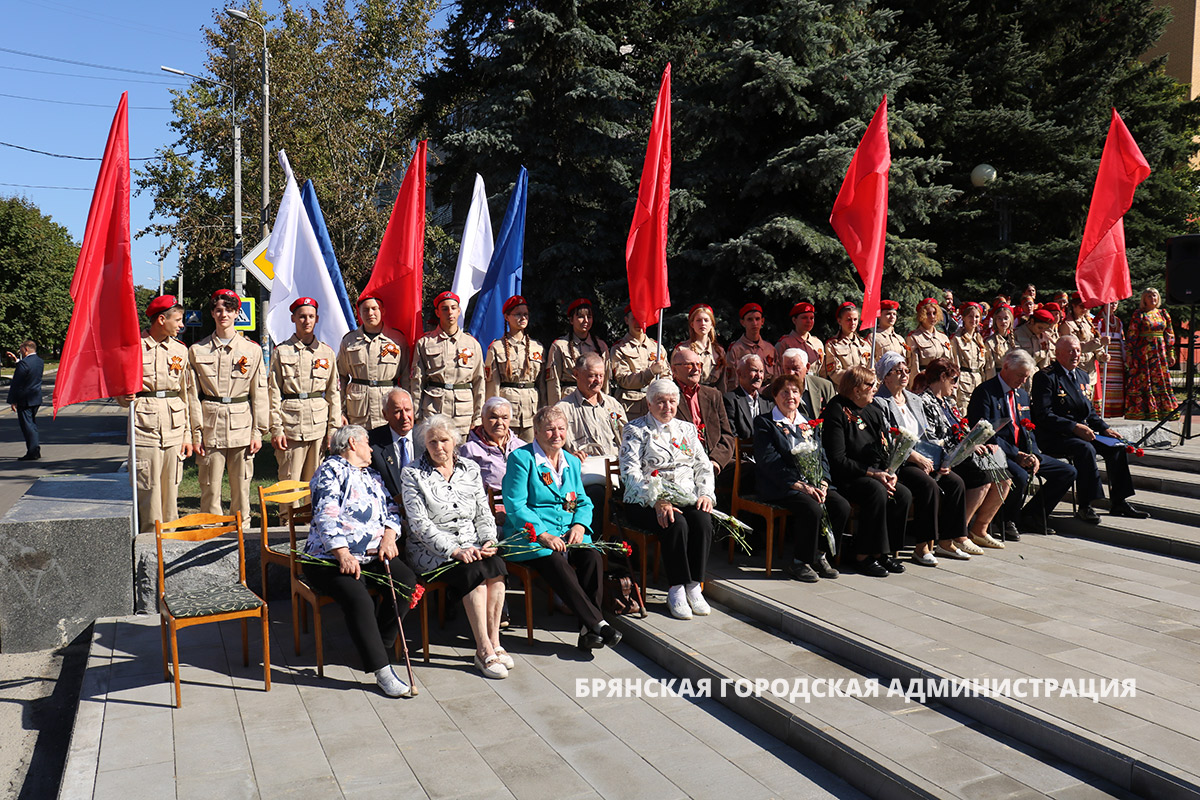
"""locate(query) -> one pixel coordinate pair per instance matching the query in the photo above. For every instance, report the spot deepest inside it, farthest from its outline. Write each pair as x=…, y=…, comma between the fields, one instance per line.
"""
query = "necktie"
x=402, y=446
x=1012, y=406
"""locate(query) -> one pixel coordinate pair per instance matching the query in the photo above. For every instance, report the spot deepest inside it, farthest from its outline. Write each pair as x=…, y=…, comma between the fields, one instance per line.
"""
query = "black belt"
x=161, y=394
x=567, y=382
x=303, y=396
x=373, y=384
x=512, y=385
x=438, y=385
x=225, y=401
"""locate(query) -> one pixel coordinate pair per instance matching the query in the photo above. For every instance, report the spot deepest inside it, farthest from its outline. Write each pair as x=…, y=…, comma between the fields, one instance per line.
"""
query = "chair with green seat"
x=281, y=494
x=220, y=601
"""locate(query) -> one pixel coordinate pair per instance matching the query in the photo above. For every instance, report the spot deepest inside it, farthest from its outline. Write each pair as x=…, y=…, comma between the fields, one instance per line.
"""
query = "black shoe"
x=30, y=456
x=610, y=636
x=1033, y=525
x=1126, y=510
x=1088, y=514
x=1010, y=532
x=872, y=567
x=589, y=641
x=801, y=572
x=823, y=569
x=892, y=564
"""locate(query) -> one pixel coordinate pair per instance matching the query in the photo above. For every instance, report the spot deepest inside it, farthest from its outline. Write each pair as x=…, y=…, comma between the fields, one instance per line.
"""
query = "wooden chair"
x=775, y=516
x=225, y=601
x=643, y=538
x=521, y=572
x=284, y=492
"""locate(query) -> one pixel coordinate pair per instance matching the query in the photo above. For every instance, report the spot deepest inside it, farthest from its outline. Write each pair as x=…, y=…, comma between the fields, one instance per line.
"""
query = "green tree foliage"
x=37, y=262
x=342, y=101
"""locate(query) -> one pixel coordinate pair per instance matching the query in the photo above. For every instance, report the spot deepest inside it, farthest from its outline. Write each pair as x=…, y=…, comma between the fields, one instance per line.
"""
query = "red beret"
x=226, y=294
x=699, y=306
x=160, y=304
x=927, y=301
x=964, y=307
x=802, y=308
x=748, y=309
x=362, y=298
x=511, y=303
x=303, y=301
x=888, y=305
x=443, y=297
x=1076, y=299
x=1042, y=315
x=1055, y=307
x=844, y=306
x=628, y=309
x=999, y=306
x=577, y=303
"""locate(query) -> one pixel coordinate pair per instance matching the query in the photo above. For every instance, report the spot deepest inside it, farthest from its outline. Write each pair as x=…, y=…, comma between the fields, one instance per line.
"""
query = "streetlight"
x=238, y=272
x=238, y=14
x=985, y=175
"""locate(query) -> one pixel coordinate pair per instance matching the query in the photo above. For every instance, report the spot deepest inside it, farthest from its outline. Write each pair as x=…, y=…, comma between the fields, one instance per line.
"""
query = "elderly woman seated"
x=548, y=525
x=659, y=448
x=490, y=443
x=449, y=522
x=355, y=526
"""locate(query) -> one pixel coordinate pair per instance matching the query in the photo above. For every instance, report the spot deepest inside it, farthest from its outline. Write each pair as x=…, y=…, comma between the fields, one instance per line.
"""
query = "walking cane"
x=387, y=565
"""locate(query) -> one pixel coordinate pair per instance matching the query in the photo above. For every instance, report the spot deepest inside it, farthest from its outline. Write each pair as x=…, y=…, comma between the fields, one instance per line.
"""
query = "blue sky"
x=130, y=34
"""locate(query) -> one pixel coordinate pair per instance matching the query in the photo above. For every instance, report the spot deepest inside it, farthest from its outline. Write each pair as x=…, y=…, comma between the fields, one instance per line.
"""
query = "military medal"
x=463, y=356
x=570, y=503
x=546, y=479
x=390, y=349
x=321, y=363
x=176, y=364
x=241, y=365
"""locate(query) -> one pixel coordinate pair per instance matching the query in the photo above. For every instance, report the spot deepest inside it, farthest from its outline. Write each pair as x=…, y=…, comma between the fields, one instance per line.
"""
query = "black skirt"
x=462, y=578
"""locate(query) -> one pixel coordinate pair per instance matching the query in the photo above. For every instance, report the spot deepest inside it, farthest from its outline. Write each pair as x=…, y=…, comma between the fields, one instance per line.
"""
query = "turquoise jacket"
x=531, y=499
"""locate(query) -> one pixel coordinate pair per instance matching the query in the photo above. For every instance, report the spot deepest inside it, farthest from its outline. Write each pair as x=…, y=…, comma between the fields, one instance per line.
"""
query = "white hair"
x=796, y=352
x=339, y=442
x=438, y=423
x=660, y=387
x=492, y=402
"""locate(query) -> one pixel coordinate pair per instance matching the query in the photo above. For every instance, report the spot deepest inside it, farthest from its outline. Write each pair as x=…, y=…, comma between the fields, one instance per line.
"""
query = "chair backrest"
x=199, y=528
x=279, y=493
x=495, y=502
x=301, y=515
x=739, y=446
x=612, y=473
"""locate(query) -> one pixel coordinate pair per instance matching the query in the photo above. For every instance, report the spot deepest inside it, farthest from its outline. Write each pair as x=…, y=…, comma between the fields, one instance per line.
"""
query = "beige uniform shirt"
x=1089, y=343
x=1040, y=347
x=161, y=415
x=997, y=346
x=888, y=341
x=593, y=429
x=305, y=399
x=560, y=363
x=972, y=357
x=511, y=370
x=228, y=394
x=744, y=347
x=925, y=347
x=843, y=353
x=629, y=364
x=712, y=361
x=447, y=377
x=808, y=343
x=370, y=366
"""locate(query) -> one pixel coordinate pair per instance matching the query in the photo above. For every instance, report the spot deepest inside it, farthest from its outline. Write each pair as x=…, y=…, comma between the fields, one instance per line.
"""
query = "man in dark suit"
x=392, y=444
x=25, y=397
x=1003, y=402
x=1067, y=424
x=818, y=391
x=703, y=407
x=747, y=401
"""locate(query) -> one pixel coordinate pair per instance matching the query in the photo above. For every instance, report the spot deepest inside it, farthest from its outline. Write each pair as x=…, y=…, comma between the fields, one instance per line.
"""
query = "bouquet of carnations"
x=900, y=444
x=663, y=488
x=526, y=542
x=808, y=459
x=413, y=594
x=981, y=433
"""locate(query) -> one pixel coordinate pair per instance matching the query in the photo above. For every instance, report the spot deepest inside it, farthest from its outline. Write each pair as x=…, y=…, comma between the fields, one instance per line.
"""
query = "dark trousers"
x=881, y=519
x=939, y=504
x=1057, y=477
x=27, y=419
x=1089, y=487
x=372, y=625
x=806, y=540
x=685, y=542
x=575, y=577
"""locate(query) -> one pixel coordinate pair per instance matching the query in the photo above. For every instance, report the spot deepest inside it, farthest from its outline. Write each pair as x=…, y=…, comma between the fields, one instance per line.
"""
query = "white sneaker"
x=925, y=560
x=696, y=600
x=491, y=668
x=952, y=552
x=677, y=602
x=390, y=684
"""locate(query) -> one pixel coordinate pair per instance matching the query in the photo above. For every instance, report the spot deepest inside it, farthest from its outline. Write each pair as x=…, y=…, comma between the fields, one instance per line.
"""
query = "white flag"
x=476, y=251
x=300, y=270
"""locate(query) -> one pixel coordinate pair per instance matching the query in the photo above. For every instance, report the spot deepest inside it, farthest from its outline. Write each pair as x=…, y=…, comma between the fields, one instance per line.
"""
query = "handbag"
x=622, y=595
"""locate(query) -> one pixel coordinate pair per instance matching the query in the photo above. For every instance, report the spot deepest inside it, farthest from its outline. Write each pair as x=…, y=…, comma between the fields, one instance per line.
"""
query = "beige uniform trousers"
x=213, y=466
x=159, y=470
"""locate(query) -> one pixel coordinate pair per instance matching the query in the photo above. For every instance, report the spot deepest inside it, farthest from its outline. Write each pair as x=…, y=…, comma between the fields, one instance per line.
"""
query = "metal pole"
x=266, y=135
x=133, y=468
x=1104, y=367
x=874, y=339
x=239, y=272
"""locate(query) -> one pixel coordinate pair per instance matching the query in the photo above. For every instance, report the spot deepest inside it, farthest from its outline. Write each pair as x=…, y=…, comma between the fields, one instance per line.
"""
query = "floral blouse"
x=444, y=515
x=673, y=450
x=351, y=508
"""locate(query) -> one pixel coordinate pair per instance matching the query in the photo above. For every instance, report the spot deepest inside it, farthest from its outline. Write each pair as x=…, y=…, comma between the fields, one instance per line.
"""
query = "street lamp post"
x=238, y=14
x=237, y=271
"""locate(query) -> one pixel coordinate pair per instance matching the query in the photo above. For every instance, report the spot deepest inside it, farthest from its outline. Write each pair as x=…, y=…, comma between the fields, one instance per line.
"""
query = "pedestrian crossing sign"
x=247, y=318
x=192, y=318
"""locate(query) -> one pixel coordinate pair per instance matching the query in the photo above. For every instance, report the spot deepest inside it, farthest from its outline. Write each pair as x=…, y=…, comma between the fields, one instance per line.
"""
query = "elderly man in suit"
x=392, y=444
x=1067, y=424
x=703, y=407
x=747, y=401
x=25, y=397
x=817, y=390
x=1003, y=402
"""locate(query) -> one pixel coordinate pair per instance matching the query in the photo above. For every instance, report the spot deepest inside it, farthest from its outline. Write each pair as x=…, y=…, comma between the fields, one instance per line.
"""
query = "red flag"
x=646, y=248
x=399, y=271
x=101, y=357
x=1102, y=273
x=860, y=212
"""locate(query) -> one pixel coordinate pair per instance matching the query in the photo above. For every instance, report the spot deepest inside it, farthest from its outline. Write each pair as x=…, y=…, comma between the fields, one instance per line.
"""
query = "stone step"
x=885, y=746
x=1173, y=528
x=1180, y=482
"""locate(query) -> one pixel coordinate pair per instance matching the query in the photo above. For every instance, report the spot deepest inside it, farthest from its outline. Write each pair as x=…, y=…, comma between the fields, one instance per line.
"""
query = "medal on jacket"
x=546, y=478
x=535, y=357
x=176, y=364
x=321, y=363
x=463, y=357
x=569, y=502
x=389, y=349
x=240, y=364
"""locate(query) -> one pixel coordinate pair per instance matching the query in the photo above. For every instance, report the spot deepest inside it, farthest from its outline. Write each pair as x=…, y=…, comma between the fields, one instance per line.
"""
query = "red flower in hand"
x=531, y=531
x=894, y=431
x=1028, y=425
x=626, y=549
x=654, y=474
x=417, y=594
x=1134, y=451
x=816, y=422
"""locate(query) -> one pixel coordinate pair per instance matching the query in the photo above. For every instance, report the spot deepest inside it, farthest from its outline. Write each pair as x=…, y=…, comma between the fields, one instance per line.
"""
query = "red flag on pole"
x=646, y=248
x=1102, y=273
x=399, y=269
x=101, y=356
x=860, y=212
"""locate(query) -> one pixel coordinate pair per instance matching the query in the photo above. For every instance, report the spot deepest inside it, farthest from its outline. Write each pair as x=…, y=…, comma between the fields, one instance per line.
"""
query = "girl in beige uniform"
x=847, y=349
x=559, y=373
x=970, y=353
x=702, y=340
x=926, y=342
x=513, y=367
x=1001, y=340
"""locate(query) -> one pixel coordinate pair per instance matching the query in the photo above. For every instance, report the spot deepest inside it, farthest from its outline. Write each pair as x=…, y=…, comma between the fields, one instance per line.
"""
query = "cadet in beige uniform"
x=564, y=351
x=372, y=360
x=702, y=341
x=885, y=338
x=228, y=407
x=1002, y=339
x=926, y=342
x=161, y=430
x=1035, y=338
x=633, y=362
x=306, y=403
x=1079, y=323
x=847, y=349
x=804, y=316
x=447, y=374
x=970, y=353
x=513, y=367
x=751, y=317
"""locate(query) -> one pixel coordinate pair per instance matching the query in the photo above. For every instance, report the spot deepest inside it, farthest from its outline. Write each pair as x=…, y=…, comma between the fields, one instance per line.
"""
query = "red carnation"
x=417, y=594
x=1028, y=425
x=626, y=549
x=816, y=422
x=654, y=474
x=894, y=431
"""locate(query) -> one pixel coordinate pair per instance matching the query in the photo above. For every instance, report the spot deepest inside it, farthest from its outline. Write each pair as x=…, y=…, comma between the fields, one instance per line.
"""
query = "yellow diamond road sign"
x=256, y=264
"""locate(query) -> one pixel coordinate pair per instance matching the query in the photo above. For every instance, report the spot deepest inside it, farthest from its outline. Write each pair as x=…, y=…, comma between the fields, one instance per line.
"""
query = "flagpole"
x=874, y=339
x=133, y=468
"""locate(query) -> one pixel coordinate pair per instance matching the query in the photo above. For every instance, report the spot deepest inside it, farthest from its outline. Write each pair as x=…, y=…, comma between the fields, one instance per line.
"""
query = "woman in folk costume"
x=1110, y=384
x=1148, y=392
